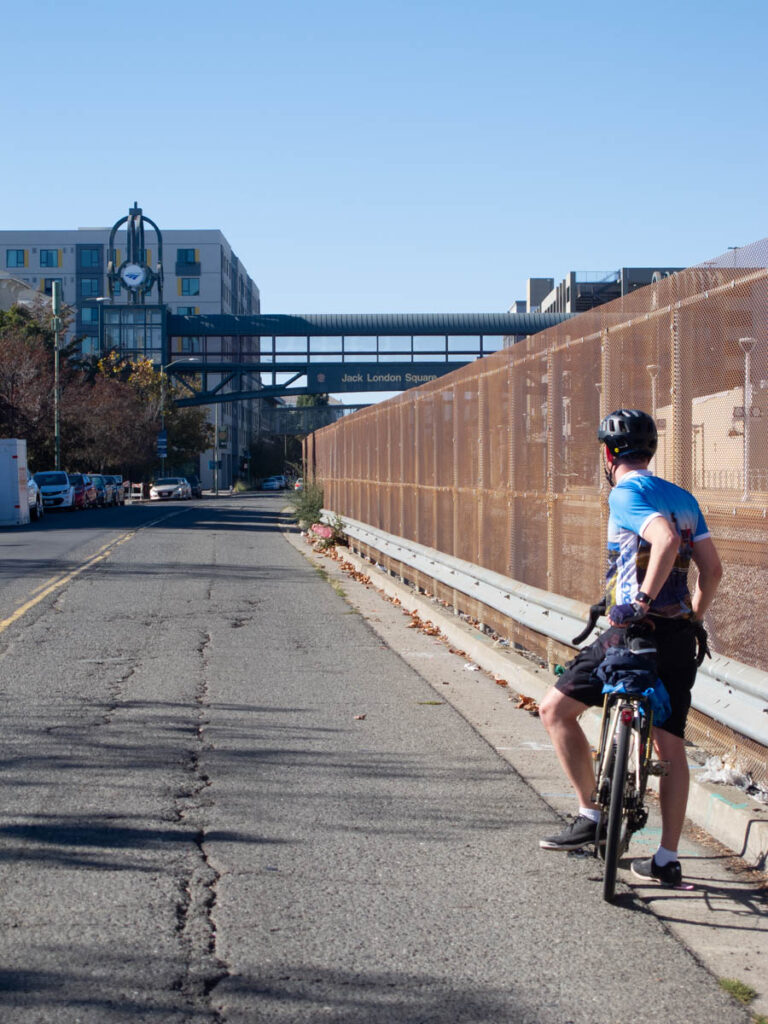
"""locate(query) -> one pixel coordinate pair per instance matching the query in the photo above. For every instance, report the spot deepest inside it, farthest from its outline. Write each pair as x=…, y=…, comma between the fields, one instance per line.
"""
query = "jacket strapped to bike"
x=624, y=671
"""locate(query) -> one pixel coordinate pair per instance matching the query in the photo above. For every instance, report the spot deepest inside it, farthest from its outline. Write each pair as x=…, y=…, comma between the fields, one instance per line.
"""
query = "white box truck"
x=14, y=497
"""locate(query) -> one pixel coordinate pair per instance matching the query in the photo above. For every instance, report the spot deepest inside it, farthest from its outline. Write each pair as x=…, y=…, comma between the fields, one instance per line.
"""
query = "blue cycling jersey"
x=637, y=499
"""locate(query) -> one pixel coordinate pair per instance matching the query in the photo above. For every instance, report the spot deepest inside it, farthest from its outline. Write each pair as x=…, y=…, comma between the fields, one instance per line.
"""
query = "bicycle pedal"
x=658, y=768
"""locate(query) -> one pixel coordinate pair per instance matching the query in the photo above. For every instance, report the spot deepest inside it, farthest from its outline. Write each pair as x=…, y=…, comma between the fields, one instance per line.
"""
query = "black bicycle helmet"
x=629, y=432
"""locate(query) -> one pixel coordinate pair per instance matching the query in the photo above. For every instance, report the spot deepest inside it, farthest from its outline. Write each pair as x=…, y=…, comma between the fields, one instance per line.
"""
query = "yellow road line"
x=58, y=581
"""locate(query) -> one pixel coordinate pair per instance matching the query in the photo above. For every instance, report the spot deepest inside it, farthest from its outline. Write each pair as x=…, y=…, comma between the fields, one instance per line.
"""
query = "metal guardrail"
x=726, y=690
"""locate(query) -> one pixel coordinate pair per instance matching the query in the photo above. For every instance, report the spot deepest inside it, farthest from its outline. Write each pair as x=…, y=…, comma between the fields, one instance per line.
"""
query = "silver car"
x=170, y=488
x=56, y=489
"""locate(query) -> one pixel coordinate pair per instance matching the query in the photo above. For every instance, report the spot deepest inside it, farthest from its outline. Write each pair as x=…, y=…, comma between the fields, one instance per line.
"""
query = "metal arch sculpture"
x=134, y=272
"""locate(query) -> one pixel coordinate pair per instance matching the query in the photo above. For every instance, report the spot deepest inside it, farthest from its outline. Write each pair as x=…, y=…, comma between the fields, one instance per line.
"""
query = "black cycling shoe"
x=670, y=875
x=580, y=832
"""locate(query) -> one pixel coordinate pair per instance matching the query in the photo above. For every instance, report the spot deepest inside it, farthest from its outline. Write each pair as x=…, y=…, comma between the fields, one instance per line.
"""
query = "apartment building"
x=200, y=274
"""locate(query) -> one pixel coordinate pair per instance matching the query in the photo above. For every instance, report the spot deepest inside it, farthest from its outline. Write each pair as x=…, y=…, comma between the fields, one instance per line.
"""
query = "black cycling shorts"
x=676, y=653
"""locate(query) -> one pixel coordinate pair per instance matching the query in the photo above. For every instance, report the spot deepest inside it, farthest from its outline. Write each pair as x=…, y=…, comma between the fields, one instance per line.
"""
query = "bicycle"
x=623, y=763
x=624, y=755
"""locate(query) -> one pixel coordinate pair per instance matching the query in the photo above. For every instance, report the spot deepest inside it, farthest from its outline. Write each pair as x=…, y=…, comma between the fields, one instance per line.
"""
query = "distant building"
x=201, y=275
x=584, y=289
x=581, y=290
x=201, y=272
x=14, y=292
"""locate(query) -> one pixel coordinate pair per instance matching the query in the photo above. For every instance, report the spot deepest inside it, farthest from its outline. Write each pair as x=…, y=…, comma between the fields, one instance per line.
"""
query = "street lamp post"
x=56, y=324
x=746, y=345
x=100, y=300
x=653, y=372
x=216, y=450
x=162, y=420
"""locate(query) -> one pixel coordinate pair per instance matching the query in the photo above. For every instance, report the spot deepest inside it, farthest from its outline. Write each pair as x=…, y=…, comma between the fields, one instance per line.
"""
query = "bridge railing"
x=497, y=463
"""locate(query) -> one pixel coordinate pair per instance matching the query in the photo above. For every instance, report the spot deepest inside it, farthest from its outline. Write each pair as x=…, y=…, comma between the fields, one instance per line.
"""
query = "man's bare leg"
x=673, y=787
x=559, y=715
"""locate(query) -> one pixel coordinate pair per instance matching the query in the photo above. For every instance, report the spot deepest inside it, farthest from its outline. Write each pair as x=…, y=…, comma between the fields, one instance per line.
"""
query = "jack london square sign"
x=374, y=376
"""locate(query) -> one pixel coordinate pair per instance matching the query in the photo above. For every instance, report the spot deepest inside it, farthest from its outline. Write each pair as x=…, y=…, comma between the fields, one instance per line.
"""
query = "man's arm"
x=665, y=545
x=710, y=573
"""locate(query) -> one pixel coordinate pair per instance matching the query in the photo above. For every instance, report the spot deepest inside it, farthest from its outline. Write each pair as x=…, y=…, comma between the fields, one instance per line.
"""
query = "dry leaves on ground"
x=526, y=704
x=357, y=576
x=428, y=628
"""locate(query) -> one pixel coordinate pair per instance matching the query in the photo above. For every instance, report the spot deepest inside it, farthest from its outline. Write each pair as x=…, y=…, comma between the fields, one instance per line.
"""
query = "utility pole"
x=56, y=324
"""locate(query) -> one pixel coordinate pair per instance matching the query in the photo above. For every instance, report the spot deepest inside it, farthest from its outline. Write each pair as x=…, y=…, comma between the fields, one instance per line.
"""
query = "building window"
x=89, y=287
x=90, y=257
x=89, y=315
x=49, y=257
x=186, y=310
x=14, y=257
x=190, y=286
x=48, y=284
x=185, y=256
x=115, y=287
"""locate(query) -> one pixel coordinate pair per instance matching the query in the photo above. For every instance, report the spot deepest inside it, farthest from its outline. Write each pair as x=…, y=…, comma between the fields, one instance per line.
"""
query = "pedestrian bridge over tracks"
x=222, y=358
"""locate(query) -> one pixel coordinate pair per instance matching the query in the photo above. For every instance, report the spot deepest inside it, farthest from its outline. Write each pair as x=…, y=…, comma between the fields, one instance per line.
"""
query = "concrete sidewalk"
x=724, y=919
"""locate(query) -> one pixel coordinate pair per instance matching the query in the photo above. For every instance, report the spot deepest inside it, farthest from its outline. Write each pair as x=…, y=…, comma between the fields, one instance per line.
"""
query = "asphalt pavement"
x=227, y=798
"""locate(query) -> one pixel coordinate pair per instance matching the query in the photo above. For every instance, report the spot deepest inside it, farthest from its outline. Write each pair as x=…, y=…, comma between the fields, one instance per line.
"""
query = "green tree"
x=305, y=400
x=189, y=431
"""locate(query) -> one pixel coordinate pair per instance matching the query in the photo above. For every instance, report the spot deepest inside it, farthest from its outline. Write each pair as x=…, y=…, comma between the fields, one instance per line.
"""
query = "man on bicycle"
x=655, y=529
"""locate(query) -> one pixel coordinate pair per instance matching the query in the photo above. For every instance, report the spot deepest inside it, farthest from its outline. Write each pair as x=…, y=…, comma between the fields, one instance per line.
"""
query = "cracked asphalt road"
x=196, y=826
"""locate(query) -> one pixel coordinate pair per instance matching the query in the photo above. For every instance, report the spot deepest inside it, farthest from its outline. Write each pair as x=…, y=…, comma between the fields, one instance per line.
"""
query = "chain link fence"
x=498, y=464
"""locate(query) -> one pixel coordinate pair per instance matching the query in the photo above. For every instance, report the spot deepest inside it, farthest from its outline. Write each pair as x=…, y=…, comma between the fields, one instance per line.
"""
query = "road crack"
x=197, y=890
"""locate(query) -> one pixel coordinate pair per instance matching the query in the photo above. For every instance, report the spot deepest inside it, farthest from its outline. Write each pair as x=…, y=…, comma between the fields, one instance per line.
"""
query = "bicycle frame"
x=622, y=766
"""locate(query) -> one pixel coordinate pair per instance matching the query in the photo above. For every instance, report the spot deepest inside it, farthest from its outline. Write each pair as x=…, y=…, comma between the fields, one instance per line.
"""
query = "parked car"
x=114, y=489
x=111, y=489
x=56, y=489
x=35, y=499
x=273, y=483
x=102, y=494
x=85, y=492
x=170, y=488
x=117, y=480
x=299, y=485
x=196, y=485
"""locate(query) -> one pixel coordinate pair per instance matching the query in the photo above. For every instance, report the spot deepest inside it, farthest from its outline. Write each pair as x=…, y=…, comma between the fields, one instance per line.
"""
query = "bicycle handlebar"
x=595, y=611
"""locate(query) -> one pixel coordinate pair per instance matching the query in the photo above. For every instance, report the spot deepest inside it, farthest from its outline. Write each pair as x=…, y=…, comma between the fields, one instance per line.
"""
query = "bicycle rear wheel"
x=615, y=827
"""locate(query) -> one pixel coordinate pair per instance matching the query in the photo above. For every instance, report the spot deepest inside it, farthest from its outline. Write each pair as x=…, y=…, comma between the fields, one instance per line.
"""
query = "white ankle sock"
x=590, y=812
x=664, y=856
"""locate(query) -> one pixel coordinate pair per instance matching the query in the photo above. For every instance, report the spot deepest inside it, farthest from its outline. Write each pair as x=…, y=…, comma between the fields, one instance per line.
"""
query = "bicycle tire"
x=613, y=835
x=606, y=752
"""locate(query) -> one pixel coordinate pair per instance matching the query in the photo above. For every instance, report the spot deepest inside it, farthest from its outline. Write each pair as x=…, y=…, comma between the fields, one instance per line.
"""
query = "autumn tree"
x=110, y=409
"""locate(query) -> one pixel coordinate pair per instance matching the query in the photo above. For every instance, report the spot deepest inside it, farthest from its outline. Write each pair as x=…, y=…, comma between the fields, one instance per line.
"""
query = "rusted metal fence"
x=498, y=464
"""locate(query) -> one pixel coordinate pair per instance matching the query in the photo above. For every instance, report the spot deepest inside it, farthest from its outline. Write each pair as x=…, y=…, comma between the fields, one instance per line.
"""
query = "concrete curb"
x=724, y=812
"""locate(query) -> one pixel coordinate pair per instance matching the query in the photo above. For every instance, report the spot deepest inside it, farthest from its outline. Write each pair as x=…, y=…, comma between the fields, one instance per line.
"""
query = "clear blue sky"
x=405, y=156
